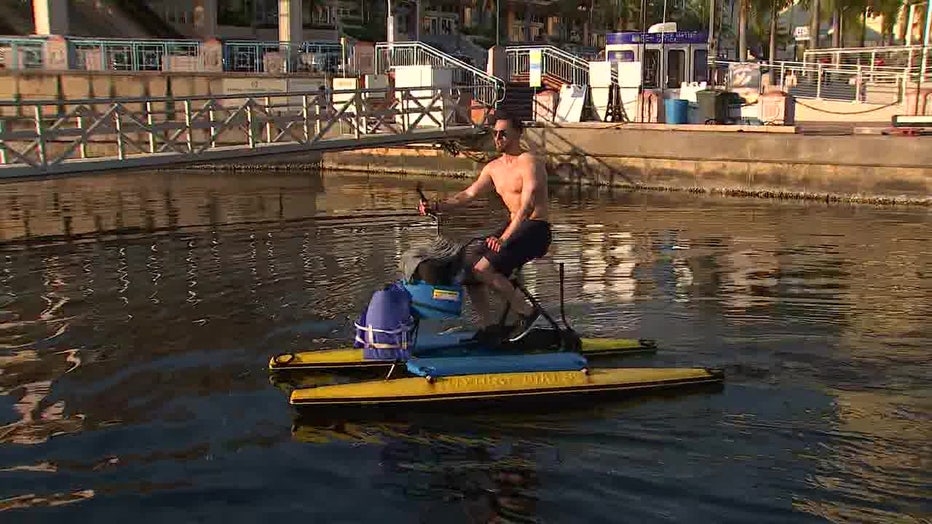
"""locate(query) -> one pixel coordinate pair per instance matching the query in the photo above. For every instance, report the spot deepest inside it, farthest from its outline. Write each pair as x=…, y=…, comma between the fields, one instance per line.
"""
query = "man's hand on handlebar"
x=424, y=208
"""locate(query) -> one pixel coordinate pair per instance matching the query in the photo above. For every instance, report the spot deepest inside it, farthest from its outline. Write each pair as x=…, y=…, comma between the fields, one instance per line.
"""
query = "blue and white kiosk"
x=663, y=62
x=668, y=58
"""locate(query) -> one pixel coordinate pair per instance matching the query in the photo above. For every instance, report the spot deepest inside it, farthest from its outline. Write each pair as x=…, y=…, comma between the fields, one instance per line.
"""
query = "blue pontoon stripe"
x=452, y=366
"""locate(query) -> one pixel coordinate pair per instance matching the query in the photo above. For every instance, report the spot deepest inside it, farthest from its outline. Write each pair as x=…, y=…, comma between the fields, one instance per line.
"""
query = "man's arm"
x=531, y=181
x=482, y=183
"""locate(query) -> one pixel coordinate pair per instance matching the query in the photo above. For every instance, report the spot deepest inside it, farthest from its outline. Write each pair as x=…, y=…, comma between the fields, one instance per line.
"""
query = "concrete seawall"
x=769, y=163
x=27, y=85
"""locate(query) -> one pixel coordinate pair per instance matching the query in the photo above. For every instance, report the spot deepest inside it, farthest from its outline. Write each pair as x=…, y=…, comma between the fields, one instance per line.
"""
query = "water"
x=138, y=312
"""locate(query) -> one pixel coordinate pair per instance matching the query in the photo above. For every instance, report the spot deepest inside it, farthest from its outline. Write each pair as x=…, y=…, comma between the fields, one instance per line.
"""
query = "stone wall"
x=25, y=86
x=738, y=159
x=753, y=161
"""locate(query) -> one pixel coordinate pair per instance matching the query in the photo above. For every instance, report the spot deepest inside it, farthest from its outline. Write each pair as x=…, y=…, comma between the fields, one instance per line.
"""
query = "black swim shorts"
x=530, y=240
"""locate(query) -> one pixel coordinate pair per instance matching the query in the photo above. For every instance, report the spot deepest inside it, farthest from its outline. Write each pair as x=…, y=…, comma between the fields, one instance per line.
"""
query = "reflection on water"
x=137, y=313
x=487, y=477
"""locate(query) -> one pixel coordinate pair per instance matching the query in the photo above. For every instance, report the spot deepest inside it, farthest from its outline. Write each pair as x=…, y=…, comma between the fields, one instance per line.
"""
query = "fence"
x=250, y=56
x=152, y=55
x=902, y=57
x=845, y=82
x=128, y=55
x=21, y=53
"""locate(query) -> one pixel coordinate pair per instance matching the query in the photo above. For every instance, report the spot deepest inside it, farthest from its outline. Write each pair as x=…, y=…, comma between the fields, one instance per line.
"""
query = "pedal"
x=528, y=329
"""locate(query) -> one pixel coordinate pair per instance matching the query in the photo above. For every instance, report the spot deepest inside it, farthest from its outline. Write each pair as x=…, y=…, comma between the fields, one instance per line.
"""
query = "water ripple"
x=133, y=354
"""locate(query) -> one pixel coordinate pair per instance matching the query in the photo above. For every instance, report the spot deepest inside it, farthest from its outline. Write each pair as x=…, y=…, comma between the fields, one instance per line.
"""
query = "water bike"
x=432, y=300
x=542, y=362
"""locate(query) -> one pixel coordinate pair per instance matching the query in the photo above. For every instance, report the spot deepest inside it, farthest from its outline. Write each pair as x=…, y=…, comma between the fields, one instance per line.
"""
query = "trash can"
x=713, y=106
x=777, y=108
x=676, y=110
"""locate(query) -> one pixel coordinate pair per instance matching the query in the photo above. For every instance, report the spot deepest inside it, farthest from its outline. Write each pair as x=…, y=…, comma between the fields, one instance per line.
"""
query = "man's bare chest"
x=507, y=182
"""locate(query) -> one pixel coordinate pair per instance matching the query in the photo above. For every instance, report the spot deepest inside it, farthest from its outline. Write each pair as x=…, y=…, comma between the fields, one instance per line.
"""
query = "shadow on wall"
x=575, y=165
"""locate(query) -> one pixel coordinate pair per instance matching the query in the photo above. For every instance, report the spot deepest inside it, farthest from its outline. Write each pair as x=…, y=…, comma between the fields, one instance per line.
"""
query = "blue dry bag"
x=386, y=330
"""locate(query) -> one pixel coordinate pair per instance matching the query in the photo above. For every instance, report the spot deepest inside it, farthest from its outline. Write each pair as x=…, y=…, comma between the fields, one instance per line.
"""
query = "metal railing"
x=555, y=62
x=851, y=83
x=108, y=54
x=129, y=55
x=250, y=56
x=901, y=57
x=52, y=136
x=484, y=87
x=21, y=53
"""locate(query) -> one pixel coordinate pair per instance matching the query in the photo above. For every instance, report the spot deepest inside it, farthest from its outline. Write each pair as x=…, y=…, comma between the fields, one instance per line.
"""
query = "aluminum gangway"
x=45, y=137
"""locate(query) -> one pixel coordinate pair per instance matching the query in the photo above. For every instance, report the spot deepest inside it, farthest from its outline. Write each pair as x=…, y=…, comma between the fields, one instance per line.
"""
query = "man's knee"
x=483, y=268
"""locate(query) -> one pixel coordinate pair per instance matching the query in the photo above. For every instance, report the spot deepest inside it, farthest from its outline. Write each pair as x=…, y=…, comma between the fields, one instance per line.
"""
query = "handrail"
x=438, y=54
x=907, y=57
x=551, y=49
x=857, y=83
x=131, y=41
x=488, y=88
x=556, y=62
x=815, y=66
x=178, y=99
x=885, y=49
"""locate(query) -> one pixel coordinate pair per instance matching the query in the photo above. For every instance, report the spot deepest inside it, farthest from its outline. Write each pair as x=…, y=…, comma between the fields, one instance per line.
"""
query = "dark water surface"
x=138, y=313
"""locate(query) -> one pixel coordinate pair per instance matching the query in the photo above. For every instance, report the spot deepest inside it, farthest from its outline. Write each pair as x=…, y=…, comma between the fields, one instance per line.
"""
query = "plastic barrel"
x=676, y=110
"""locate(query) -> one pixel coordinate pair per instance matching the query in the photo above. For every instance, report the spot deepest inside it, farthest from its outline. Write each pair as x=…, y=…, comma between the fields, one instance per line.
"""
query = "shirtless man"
x=521, y=182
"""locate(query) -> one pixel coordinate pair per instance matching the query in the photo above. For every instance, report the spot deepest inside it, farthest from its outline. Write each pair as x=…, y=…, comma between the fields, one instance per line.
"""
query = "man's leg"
x=479, y=296
x=498, y=282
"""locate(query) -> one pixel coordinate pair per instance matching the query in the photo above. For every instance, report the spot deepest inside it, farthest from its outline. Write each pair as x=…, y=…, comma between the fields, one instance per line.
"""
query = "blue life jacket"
x=386, y=329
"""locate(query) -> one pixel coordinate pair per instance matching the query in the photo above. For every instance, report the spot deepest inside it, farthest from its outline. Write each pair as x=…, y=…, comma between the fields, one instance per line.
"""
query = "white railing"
x=555, y=62
x=484, y=87
x=902, y=57
x=852, y=83
x=54, y=136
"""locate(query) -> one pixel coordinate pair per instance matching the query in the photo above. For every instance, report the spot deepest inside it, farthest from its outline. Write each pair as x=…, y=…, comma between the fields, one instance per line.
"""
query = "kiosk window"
x=651, y=68
x=676, y=68
x=621, y=56
x=700, y=65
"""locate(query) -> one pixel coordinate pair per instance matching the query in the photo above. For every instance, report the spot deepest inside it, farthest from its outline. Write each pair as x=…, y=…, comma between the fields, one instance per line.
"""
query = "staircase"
x=519, y=101
x=546, y=81
x=558, y=65
x=558, y=68
x=484, y=87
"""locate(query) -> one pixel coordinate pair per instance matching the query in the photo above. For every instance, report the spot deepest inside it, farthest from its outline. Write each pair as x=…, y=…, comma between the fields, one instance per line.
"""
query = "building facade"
x=520, y=21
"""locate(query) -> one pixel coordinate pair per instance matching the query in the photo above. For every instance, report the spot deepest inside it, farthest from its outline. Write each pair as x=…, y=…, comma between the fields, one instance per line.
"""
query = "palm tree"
x=772, y=10
x=744, y=7
x=814, y=22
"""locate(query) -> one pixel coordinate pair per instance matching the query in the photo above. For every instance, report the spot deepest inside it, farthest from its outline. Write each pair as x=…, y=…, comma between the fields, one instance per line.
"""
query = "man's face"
x=504, y=135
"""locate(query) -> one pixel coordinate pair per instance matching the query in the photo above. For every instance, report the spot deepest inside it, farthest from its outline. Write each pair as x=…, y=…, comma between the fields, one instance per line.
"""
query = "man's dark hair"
x=513, y=122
